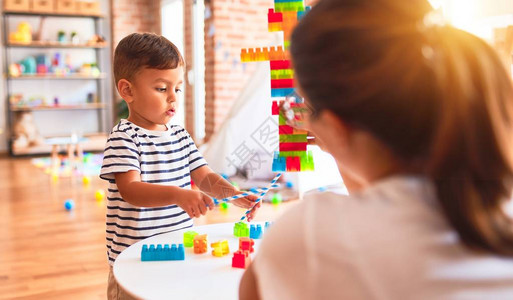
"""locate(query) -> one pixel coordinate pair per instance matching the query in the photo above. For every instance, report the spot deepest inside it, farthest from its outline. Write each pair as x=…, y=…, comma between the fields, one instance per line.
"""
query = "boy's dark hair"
x=139, y=50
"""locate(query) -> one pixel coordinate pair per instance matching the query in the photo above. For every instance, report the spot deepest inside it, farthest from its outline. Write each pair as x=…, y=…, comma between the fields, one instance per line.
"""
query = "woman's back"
x=389, y=242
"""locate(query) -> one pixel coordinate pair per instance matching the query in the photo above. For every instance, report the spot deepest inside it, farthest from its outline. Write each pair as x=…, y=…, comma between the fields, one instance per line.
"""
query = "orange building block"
x=200, y=244
x=246, y=244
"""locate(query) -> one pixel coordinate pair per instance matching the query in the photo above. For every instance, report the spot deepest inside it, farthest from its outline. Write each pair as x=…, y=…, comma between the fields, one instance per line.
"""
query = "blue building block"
x=283, y=92
x=268, y=224
x=255, y=232
x=279, y=163
x=159, y=253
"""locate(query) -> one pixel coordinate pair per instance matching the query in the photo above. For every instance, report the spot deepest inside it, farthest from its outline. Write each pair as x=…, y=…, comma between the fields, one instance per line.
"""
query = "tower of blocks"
x=292, y=155
x=152, y=253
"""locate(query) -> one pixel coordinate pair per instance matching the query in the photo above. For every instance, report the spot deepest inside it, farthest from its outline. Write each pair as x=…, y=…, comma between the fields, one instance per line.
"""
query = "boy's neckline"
x=153, y=132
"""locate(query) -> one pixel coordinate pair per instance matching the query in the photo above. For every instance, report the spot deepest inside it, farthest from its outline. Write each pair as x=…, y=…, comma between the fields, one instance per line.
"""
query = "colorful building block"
x=241, y=259
x=200, y=243
x=255, y=232
x=246, y=244
x=188, y=238
x=159, y=253
x=268, y=224
x=241, y=229
x=220, y=248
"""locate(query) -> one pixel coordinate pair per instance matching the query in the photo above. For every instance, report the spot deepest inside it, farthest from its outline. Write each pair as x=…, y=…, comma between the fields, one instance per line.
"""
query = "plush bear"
x=25, y=131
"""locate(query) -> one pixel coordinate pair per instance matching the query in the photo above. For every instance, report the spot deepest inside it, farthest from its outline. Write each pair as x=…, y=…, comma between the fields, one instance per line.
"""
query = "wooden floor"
x=50, y=253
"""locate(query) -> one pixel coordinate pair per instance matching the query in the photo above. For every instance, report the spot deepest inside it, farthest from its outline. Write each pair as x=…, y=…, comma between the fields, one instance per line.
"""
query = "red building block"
x=273, y=17
x=275, y=108
x=282, y=83
x=246, y=244
x=280, y=64
x=293, y=146
x=286, y=129
x=293, y=163
x=241, y=259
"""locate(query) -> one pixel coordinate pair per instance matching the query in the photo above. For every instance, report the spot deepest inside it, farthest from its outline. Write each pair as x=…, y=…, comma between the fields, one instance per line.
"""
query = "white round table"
x=199, y=276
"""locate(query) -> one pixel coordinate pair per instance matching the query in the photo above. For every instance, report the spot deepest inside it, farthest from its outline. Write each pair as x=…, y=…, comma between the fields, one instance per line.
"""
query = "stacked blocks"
x=292, y=155
x=241, y=229
x=255, y=232
x=200, y=244
x=220, y=248
x=159, y=253
x=241, y=258
x=188, y=238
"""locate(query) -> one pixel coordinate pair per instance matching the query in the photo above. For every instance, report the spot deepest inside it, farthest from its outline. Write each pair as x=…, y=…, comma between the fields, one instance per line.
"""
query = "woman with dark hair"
x=420, y=115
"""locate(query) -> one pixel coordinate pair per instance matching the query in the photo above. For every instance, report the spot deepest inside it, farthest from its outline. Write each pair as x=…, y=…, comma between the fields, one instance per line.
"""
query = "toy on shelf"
x=255, y=232
x=200, y=243
x=22, y=35
x=241, y=229
x=61, y=36
x=159, y=253
x=292, y=155
x=220, y=248
x=96, y=40
x=188, y=238
x=25, y=131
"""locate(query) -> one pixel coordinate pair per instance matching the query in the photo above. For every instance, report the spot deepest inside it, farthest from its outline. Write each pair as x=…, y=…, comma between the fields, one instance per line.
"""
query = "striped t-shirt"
x=161, y=157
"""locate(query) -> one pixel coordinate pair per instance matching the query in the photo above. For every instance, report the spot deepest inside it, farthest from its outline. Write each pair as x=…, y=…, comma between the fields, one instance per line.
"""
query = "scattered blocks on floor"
x=188, y=238
x=220, y=248
x=200, y=243
x=241, y=229
x=159, y=253
x=255, y=232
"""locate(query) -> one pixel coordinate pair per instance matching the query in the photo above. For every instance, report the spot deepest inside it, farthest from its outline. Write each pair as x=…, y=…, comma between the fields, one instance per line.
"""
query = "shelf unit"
x=96, y=136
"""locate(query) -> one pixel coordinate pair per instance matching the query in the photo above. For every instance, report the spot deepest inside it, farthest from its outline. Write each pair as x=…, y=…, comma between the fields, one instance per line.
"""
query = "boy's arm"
x=145, y=194
x=216, y=186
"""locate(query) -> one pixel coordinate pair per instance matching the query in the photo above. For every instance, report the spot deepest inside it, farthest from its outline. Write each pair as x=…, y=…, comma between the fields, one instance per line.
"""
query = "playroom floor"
x=50, y=253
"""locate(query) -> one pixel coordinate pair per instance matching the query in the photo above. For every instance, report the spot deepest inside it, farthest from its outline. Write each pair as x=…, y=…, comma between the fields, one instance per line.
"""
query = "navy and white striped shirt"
x=161, y=157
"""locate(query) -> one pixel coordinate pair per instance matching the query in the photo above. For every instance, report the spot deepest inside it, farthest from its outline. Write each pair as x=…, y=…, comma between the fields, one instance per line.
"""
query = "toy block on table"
x=241, y=259
x=188, y=238
x=268, y=224
x=159, y=253
x=255, y=232
x=241, y=229
x=246, y=244
x=220, y=248
x=200, y=243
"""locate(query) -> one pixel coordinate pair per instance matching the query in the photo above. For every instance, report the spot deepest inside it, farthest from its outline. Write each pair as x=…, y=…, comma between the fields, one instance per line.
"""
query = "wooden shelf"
x=94, y=142
x=54, y=44
x=54, y=14
x=85, y=106
x=56, y=77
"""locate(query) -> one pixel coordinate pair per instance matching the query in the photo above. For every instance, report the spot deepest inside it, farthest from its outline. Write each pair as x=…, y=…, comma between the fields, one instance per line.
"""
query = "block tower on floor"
x=292, y=155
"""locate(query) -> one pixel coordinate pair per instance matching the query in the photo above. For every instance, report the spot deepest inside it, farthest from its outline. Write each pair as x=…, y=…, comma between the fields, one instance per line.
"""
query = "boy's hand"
x=195, y=203
x=248, y=202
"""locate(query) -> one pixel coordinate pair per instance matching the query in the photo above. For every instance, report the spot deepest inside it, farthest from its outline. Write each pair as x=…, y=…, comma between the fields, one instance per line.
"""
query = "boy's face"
x=154, y=97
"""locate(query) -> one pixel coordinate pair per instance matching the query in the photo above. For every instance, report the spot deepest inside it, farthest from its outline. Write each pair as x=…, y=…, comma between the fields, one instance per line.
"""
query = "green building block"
x=241, y=229
x=188, y=238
